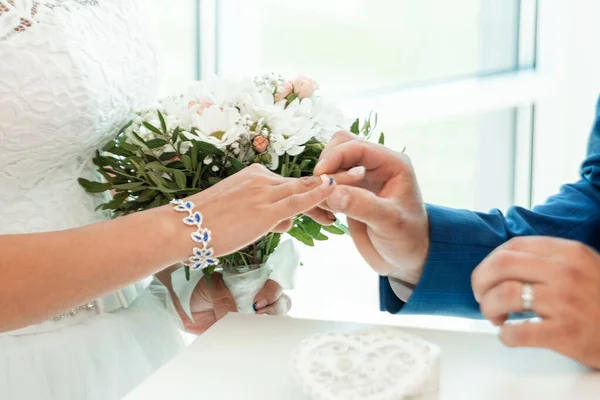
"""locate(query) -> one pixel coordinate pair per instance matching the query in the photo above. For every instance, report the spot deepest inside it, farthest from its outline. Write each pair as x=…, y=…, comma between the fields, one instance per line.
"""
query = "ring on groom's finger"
x=527, y=297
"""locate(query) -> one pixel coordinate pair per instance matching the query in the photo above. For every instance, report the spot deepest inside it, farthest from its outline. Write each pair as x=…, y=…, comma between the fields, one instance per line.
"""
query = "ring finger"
x=505, y=298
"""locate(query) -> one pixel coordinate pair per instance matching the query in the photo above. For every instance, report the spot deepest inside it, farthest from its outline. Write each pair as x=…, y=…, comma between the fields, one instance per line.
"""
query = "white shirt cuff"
x=401, y=289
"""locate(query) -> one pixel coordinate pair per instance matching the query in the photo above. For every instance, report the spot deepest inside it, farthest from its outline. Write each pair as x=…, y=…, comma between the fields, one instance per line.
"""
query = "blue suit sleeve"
x=461, y=239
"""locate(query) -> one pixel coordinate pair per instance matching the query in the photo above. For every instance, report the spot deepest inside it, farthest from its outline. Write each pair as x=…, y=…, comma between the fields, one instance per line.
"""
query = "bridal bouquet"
x=185, y=144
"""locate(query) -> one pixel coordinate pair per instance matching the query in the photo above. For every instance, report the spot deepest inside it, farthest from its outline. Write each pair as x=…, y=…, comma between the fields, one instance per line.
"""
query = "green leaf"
x=208, y=273
x=157, y=179
x=236, y=164
x=109, y=146
x=213, y=180
x=194, y=156
x=139, y=138
x=147, y=195
x=175, y=135
x=167, y=156
x=164, y=190
x=333, y=230
x=207, y=148
x=155, y=203
x=274, y=243
x=116, y=201
x=152, y=128
x=155, y=143
x=301, y=236
x=120, y=151
x=187, y=161
x=196, y=177
x=127, y=125
x=341, y=227
x=180, y=179
x=163, y=124
x=128, y=146
x=291, y=97
x=311, y=227
x=355, y=128
x=381, y=138
x=131, y=186
x=93, y=187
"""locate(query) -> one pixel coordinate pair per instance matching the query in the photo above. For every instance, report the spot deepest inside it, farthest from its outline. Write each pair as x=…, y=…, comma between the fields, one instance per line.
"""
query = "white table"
x=247, y=357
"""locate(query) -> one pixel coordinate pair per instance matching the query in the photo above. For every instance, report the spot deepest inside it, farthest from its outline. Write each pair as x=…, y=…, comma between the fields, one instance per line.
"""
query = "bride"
x=78, y=319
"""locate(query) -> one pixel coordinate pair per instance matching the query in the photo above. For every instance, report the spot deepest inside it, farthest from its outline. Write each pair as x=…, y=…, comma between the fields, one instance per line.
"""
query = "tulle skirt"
x=96, y=357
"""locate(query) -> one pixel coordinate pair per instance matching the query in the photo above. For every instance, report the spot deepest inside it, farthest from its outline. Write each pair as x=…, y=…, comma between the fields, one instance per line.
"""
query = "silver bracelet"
x=203, y=257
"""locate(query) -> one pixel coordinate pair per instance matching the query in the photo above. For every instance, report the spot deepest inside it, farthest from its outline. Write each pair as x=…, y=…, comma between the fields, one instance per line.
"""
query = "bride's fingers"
x=353, y=177
x=306, y=193
x=202, y=321
x=281, y=307
x=220, y=297
x=268, y=295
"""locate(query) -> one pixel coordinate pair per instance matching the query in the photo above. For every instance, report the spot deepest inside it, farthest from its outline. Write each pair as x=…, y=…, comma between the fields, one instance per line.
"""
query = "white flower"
x=215, y=168
x=222, y=92
x=208, y=160
x=220, y=127
x=327, y=118
x=186, y=146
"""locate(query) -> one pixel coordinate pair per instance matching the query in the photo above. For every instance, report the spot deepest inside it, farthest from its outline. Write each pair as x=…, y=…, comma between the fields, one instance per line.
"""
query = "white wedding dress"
x=70, y=73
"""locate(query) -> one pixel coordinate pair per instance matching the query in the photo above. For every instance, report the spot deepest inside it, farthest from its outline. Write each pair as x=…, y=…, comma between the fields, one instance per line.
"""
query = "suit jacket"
x=461, y=239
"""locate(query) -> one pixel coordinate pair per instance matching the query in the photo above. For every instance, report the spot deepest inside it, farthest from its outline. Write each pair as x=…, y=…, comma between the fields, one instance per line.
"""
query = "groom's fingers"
x=323, y=217
x=290, y=186
x=364, y=206
x=350, y=154
x=337, y=139
x=283, y=226
x=220, y=297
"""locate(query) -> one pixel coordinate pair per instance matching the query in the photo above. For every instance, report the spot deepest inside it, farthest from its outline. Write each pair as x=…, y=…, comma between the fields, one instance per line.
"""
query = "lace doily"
x=378, y=364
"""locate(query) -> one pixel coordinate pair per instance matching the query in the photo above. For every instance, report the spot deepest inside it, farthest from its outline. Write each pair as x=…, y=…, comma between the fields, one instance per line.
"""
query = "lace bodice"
x=70, y=72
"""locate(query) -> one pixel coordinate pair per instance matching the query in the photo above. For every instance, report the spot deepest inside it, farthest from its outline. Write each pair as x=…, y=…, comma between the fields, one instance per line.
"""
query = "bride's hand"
x=212, y=301
x=255, y=201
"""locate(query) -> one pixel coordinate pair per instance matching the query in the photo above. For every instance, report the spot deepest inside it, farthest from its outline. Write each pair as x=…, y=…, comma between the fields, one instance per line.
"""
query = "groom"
x=437, y=260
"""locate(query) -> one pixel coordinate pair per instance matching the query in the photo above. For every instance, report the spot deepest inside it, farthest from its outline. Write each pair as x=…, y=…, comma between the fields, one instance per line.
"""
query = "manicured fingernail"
x=327, y=181
x=476, y=298
x=357, y=171
x=318, y=165
x=331, y=217
x=259, y=305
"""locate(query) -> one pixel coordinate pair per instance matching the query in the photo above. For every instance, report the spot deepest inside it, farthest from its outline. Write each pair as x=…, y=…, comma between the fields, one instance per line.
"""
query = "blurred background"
x=493, y=99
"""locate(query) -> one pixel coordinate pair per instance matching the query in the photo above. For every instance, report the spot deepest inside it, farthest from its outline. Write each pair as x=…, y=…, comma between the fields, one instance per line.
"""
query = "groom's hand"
x=386, y=214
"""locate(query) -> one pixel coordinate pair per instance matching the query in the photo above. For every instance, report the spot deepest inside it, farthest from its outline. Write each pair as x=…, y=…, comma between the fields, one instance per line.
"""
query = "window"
x=354, y=46
x=481, y=92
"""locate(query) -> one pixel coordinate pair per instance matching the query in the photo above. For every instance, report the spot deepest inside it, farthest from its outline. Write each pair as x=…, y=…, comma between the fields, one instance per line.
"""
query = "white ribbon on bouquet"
x=281, y=267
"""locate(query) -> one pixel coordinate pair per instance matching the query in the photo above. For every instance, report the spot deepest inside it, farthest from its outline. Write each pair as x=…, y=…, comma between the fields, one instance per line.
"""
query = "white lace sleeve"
x=18, y=15
x=15, y=16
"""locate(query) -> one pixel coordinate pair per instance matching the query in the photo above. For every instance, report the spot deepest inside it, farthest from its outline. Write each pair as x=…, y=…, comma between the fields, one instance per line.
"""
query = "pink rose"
x=283, y=91
x=304, y=87
x=260, y=144
x=202, y=106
